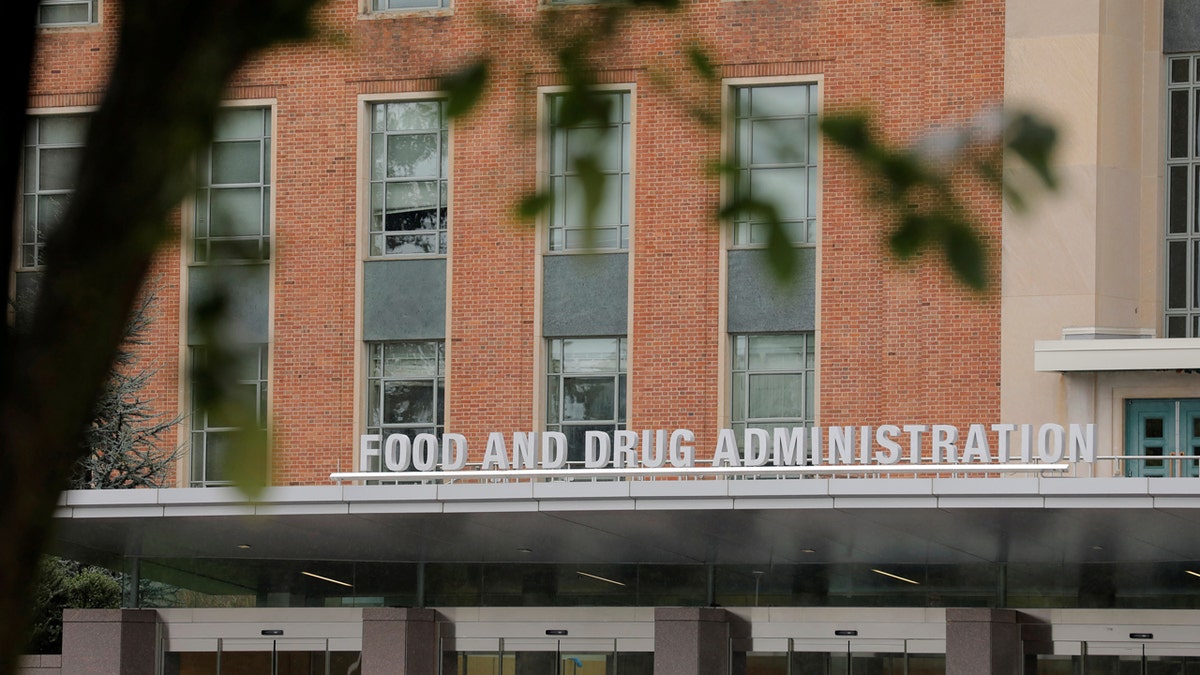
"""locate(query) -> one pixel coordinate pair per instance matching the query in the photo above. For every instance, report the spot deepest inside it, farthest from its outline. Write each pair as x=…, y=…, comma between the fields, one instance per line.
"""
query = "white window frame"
x=92, y=20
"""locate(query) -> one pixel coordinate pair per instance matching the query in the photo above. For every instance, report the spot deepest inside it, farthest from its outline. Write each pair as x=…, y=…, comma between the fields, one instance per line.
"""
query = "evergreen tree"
x=123, y=441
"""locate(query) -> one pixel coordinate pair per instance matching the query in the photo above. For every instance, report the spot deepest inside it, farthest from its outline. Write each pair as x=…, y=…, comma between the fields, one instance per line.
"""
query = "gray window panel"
x=404, y=299
x=246, y=289
x=585, y=294
x=758, y=302
x=237, y=162
x=1181, y=26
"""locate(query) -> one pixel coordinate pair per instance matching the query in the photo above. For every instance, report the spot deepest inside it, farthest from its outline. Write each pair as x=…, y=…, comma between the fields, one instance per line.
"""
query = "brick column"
x=983, y=642
x=691, y=641
x=398, y=641
x=109, y=641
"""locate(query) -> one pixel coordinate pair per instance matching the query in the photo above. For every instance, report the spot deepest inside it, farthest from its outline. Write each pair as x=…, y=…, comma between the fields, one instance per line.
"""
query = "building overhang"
x=1077, y=355
x=819, y=520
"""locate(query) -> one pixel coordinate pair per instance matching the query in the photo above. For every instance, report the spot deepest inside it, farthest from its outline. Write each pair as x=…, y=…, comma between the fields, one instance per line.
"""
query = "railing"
x=479, y=475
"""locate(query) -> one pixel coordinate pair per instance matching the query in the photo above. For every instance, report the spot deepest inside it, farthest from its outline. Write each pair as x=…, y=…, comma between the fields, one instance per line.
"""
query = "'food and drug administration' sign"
x=886, y=444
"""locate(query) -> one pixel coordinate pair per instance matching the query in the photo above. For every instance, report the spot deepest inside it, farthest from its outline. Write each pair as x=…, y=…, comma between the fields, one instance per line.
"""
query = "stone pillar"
x=109, y=641
x=983, y=642
x=691, y=641
x=399, y=641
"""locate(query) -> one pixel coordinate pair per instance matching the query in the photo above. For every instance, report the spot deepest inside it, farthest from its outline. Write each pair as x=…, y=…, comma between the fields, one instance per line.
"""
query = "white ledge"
x=1066, y=356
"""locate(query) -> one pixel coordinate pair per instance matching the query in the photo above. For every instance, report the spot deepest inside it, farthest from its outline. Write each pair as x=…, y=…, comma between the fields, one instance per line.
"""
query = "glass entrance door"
x=841, y=657
x=1114, y=658
x=552, y=657
x=1162, y=428
x=281, y=656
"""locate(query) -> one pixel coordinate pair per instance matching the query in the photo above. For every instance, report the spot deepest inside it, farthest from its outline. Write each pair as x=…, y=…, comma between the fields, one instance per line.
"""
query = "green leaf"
x=532, y=205
x=910, y=236
x=1034, y=142
x=465, y=87
x=849, y=131
x=964, y=253
x=781, y=255
x=698, y=58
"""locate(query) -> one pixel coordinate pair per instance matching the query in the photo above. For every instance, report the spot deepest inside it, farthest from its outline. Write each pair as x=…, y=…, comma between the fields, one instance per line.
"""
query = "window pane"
x=777, y=352
x=406, y=359
x=785, y=188
x=236, y=212
x=62, y=130
x=50, y=210
x=1177, y=199
x=73, y=13
x=601, y=145
x=1179, y=71
x=591, y=355
x=407, y=402
x=239, y=123
x=1178, y=126
x=779, y=141
x=1177, y=274
x=410, y=155
x=57, y=168
x=588, y=398
x=771, y=101
x=774, y=396
x=237, y=162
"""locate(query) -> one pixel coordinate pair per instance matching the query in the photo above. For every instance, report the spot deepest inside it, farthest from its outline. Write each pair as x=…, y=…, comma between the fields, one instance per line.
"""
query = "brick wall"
x=899, y=342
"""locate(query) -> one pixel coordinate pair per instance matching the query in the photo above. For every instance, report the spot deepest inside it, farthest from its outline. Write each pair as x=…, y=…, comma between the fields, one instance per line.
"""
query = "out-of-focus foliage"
x=63, y=584
x=915, y=185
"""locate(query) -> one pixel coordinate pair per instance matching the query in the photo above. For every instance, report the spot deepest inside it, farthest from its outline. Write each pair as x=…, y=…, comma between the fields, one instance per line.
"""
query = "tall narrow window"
x=1182, y=254
x=775, y=156
x=593, y=156
x=213, y=434
x=409, y=168
x=53, y=147
x=585, y=388
x=406, y=388
x=66, y=12
x=233, y=200
x=773, y=381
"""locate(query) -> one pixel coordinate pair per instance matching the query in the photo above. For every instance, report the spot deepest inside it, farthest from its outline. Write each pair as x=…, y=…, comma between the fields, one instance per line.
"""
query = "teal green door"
x=1162, y=428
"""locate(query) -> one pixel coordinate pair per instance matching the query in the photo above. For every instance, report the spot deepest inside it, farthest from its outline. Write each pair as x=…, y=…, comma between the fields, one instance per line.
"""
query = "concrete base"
x=109, y=641
x=399, y=641
x=691, y=641
x=983, y=642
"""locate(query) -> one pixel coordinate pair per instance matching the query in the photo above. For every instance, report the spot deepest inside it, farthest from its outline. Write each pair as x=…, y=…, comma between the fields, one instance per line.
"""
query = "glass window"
x=585, y=388
x=775, y=158
x=409, y=168
x=393, y=5
x=406, y=389
x=53, y=147
x=773, y=380
x=606, y=146
x=66, y=12
x=213, y=435
x=233, y=200
x=1182, y=231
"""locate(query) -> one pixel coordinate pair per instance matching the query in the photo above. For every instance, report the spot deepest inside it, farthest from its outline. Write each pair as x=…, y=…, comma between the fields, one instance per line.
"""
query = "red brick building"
x=383, y=284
